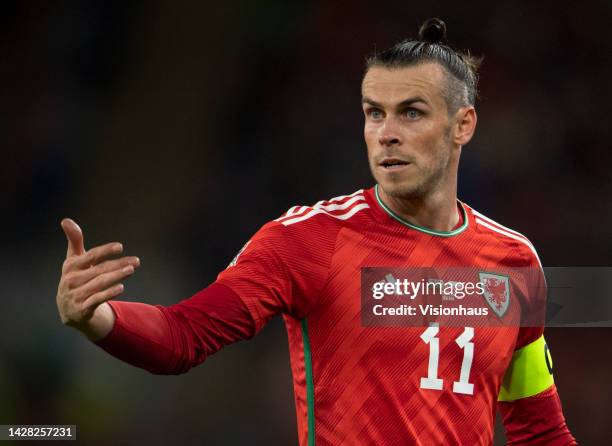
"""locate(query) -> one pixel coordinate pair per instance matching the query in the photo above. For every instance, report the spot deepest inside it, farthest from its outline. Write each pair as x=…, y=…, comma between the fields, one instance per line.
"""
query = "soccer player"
x=355, y=384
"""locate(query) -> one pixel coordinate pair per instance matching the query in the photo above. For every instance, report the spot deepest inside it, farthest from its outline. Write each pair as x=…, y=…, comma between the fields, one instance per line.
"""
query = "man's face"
x=407, y=129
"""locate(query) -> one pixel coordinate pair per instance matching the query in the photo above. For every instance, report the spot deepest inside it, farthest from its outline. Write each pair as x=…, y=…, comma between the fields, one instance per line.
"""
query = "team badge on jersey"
x=496, y=292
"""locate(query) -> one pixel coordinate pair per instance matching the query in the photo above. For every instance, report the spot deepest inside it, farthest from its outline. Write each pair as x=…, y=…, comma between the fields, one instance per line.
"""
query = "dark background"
x=179, y=128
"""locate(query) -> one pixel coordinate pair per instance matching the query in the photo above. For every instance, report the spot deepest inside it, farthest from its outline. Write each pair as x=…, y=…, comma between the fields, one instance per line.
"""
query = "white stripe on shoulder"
x=513, y=235
x=342, y=197
x=500, y=226
x=314, y=211
x=338, y=207
x=294, y=210
x=328, y=205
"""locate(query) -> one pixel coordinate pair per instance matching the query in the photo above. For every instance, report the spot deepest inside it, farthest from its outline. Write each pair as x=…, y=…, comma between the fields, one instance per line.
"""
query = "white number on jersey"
x=464, y=341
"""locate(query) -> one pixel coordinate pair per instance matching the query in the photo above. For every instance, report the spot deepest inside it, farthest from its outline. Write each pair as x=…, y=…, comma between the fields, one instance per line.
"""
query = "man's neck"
x=436, y=211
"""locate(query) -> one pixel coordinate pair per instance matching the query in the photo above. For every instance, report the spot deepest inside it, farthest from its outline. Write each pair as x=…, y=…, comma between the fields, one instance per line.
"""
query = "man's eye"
x=375, y=114
x=413, y=113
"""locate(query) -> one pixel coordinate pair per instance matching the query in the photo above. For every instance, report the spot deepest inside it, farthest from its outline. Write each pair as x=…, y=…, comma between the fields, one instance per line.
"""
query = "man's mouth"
x=393, y=163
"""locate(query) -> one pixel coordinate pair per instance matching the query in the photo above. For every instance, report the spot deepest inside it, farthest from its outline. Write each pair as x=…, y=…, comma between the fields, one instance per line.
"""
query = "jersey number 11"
x=464, y=341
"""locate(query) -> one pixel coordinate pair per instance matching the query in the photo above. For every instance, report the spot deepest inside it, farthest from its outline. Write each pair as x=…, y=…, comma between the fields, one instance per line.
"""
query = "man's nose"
x=389, y=134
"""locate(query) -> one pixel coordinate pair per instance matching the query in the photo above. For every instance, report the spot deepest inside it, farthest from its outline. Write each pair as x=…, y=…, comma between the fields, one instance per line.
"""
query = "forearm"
x=536, y=420
x=171, y=340
x=140, y=336
x=100, y=324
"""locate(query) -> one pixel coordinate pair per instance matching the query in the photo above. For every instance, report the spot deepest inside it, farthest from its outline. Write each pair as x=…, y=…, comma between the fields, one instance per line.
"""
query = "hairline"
x=451, y=104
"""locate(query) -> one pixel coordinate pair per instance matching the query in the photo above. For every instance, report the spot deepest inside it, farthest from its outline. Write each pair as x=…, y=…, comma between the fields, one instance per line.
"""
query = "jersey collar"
x=405, y=222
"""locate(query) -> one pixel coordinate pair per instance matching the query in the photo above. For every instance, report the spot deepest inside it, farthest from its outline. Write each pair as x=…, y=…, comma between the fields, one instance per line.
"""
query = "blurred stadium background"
x=179, y=128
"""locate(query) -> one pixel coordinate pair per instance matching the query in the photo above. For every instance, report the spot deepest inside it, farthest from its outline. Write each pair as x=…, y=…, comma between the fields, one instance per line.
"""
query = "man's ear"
x=465, y=125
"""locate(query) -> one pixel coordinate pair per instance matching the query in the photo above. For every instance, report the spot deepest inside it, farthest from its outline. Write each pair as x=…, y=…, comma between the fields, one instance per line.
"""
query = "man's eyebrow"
x=404, y=103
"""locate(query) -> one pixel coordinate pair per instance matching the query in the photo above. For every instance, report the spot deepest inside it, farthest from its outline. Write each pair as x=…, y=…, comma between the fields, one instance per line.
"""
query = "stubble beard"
x=430, y=177
x=411, y=188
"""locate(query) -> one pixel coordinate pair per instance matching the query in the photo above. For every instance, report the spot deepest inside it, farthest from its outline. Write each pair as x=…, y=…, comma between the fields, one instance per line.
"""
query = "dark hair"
x=462, y=68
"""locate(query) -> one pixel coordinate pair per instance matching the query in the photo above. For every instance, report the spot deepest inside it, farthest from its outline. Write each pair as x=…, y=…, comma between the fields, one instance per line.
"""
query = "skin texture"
x=88, y=280
x=407, y=119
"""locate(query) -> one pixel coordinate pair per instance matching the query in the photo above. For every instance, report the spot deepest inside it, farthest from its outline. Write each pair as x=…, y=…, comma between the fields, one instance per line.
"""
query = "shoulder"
x=505, y=236
x=306, y=228
x=329, y=212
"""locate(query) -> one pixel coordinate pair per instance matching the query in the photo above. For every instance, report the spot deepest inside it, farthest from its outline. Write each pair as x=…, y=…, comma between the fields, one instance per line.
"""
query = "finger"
x=81, y=277
x=96, y=255
x=104, y=281
x=102, y=296
x=74, y=235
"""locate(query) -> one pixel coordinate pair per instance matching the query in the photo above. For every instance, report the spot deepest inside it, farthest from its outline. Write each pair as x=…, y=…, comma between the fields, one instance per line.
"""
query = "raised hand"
x=89, y=278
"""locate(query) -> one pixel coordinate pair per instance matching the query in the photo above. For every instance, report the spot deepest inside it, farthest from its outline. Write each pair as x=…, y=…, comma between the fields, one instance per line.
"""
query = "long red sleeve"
x=171, y=340
x=536, y=420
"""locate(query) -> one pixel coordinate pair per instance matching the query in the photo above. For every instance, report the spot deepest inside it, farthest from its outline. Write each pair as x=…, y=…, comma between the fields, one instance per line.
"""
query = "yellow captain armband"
x=529, y=372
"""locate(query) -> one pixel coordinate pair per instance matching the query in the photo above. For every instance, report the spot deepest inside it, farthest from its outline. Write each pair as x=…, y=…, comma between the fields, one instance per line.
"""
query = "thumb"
x=74, y=236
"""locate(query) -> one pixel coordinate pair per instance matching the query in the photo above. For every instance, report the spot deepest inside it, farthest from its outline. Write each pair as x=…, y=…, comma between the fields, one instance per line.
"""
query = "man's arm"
x=529, y=402
x=528, y=398
x=163, y=340
x=100, y=324
x=536, y=420
x=281, y=270
x=171, y=340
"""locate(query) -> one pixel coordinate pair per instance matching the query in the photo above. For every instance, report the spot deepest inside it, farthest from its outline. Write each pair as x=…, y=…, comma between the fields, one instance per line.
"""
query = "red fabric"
x=366, y=381
x=536, y=421
x=171, y=340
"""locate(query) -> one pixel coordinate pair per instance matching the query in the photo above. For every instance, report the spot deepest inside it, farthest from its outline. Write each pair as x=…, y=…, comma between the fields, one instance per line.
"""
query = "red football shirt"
x=364, y=385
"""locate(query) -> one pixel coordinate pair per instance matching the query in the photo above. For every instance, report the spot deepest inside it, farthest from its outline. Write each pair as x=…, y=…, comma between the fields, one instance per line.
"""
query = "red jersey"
x=363, y=385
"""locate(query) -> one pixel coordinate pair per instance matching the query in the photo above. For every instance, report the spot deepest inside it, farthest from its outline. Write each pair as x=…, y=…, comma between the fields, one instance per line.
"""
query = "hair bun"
x=432, y=31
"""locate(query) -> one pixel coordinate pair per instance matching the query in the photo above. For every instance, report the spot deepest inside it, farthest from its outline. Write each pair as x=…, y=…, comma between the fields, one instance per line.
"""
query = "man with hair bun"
x=356, y=384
